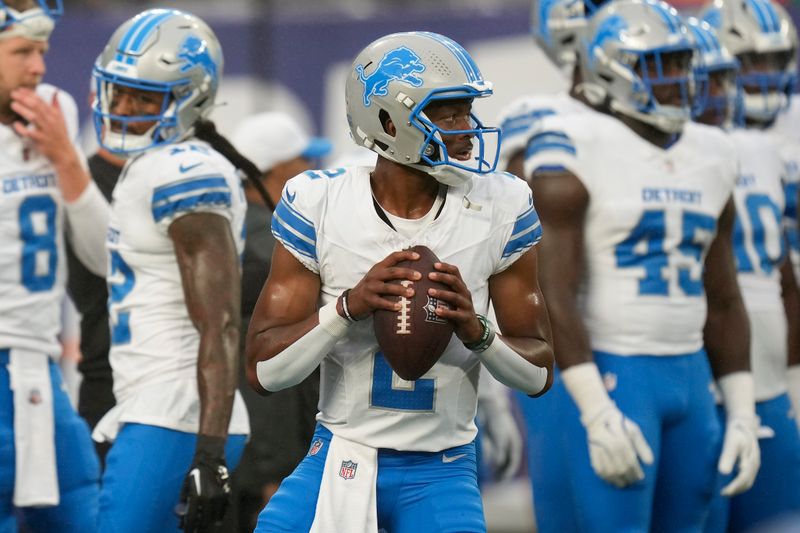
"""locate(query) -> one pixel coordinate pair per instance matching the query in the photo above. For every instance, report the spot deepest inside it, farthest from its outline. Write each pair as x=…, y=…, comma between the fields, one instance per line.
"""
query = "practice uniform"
x=423, y=430
x=154, y=344
x=47, y=462
x=651, y=218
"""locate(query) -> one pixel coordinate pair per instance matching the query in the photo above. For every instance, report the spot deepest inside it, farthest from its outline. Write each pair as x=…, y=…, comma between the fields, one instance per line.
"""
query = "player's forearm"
x=727, y=339
x=73, y=178
x=524, y=364
x=87, y=223
x=570, y=338
x=284, y=356
x=791, y=304
x=217, y=376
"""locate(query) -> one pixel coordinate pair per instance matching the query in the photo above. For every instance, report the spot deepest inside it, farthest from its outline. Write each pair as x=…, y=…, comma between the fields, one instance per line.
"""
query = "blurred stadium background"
x=293, y=55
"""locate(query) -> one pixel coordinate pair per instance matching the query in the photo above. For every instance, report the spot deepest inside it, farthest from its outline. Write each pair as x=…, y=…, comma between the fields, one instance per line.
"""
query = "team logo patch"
x=348, y=470
x=430, y=310
x=316, y=446
x=400, y=64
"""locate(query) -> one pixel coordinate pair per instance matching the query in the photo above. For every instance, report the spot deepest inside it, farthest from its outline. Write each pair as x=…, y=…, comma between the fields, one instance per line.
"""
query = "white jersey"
x=759, y=248
x=327, y=220
x=523, y=117
x=32, y=264
x=651, y=218
x=789, y=148
x=154, y=344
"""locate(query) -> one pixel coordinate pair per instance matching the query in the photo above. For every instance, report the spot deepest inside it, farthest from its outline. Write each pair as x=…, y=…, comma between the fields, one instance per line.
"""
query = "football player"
x=390, y=453
x=765, y=273
x=174, y=241
x=762, y=36
x=49, y=473
x=638, y=271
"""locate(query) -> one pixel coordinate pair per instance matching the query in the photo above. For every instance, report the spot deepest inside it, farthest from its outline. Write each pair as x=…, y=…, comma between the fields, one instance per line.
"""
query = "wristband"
x=209, y=449
x=487, y=336
x=345, y=307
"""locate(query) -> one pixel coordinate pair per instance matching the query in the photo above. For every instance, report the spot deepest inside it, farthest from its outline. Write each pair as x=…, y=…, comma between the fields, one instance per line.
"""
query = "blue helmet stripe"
x=761, y=14
x=469, y=66
x=773, y=16
x=126, y=39
x=138, y=33
x=669, y=18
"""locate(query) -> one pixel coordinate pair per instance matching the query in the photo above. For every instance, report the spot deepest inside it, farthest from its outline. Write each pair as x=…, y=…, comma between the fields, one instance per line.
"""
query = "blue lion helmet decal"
x=400, y=64
x=194, y=51
x=609, y=29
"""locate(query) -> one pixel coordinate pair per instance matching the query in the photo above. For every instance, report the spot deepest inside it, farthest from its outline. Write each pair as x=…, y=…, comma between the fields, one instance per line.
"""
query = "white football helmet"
x=164, y=51
x=402, y=73
x=713, y=65
x=762, y=36
x=36, y=23
x=628, y=49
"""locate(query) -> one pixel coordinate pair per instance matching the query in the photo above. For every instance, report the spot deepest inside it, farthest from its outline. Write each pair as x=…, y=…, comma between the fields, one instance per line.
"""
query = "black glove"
x=206, y=489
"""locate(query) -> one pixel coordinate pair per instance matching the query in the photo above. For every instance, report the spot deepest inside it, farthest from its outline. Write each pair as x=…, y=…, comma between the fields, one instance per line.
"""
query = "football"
x=413, y=338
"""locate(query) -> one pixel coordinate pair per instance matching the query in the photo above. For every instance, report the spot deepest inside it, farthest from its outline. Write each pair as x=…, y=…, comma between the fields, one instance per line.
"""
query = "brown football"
x=414, y=338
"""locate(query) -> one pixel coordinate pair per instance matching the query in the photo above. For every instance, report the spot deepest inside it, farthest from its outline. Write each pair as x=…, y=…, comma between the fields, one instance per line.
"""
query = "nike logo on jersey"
x=290, y=196
x=187, y=168
x=451, y=459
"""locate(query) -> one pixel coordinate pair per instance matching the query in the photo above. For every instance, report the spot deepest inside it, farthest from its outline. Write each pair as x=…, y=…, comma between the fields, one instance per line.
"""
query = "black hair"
x=205, y=130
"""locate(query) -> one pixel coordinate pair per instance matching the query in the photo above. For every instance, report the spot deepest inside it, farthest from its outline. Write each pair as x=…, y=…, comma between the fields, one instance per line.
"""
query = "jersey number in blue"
x=644, y=248
x=418, y=397
x=755, y=206
x=35, y=243
x=120, y=328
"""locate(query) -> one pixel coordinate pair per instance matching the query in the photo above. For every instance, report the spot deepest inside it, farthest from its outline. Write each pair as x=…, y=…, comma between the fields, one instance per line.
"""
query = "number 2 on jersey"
x=118, y=290
x=418, y=396
x=644, y=248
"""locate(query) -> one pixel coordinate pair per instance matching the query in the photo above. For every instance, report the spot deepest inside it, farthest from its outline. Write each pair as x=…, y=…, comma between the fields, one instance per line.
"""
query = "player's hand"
x=740, y=447
x=461, y=313
x=616, y=447
x=45, y=126
x=501, y=440
x=370, y=294
x=206, y=490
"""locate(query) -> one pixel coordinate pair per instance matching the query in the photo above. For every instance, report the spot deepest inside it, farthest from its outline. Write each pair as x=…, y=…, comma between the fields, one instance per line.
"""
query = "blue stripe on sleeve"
x=527, y=231
x=291, y=238
x=535, y=148
x=294, y=220
x=189, y=203
x=521, y=123
x=164, y=192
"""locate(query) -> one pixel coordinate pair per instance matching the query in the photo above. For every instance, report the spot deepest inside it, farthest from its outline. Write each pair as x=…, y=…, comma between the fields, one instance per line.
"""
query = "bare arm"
x=209, y=269
x=522, y=313
x=561, y=201
x=285, y=311
x=727, y=329
x=791, y=303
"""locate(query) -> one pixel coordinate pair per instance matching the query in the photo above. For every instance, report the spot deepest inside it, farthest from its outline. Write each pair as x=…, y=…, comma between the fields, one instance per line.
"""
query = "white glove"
x=793, y=379
x=740, y=446
x=501, y=440
x=616, y=444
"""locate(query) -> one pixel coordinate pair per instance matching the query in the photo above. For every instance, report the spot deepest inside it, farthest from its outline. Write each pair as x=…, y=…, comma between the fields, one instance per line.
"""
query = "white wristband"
x=585, y=385
x=738, y=394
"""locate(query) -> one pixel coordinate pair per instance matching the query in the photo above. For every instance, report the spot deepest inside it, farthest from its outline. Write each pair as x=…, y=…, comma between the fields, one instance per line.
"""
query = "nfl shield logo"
x=348, y=470
x=315, y=447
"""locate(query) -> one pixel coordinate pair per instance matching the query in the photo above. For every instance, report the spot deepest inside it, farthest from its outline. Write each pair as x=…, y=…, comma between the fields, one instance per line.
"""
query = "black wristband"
x=487, y=336
x=345, y=308
x=209, y=449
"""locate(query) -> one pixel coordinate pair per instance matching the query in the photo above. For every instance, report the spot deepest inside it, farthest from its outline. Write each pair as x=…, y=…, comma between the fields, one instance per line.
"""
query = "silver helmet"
x=164, y=51
x=557, y=27
x=35, y=23
x=713, y=66
x=762, y=36
x=397, y=76
x=624, y=58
